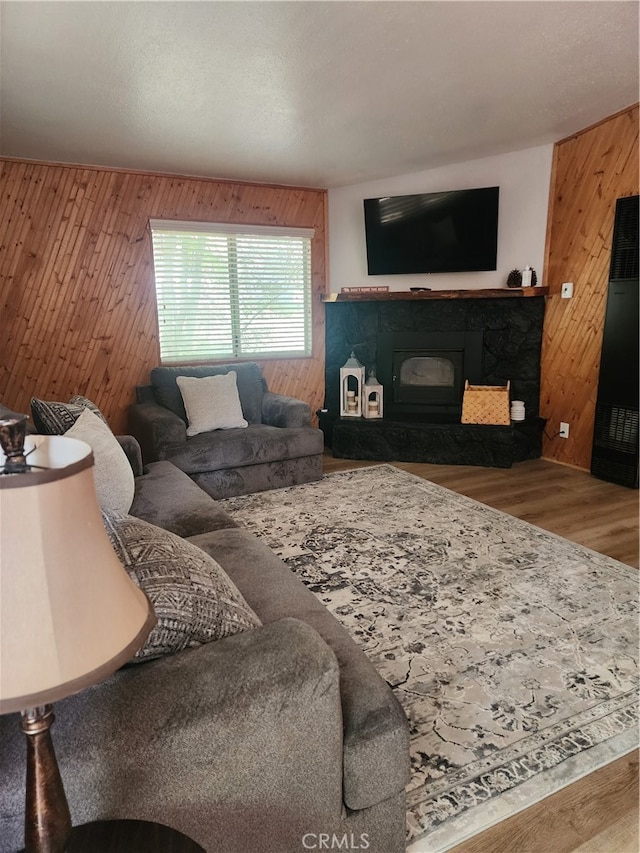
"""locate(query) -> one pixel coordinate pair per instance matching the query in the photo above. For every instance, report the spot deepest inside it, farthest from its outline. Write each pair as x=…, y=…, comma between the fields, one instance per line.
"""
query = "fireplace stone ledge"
x=484, y=445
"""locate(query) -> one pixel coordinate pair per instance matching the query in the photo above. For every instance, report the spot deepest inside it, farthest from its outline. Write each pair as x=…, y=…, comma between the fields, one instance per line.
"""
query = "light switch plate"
x=567, y=290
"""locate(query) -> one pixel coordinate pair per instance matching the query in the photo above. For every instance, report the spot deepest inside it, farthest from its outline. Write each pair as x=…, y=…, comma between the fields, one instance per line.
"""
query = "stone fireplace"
x=423, y=347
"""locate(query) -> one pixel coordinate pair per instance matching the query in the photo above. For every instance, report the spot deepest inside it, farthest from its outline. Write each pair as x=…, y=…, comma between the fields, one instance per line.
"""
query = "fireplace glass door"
x=428, y=376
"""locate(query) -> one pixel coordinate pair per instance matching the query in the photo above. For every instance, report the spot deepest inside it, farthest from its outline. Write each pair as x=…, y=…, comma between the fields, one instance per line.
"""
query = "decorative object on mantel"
x=372, y=397
x=486, y=404
x=351, y=384
x=529, y=277
x=514, y=279
x=369, y=288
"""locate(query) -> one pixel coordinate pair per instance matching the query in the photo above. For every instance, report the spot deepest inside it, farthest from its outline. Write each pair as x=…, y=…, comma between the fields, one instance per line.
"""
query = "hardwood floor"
x=597, y=814
x=564, y=500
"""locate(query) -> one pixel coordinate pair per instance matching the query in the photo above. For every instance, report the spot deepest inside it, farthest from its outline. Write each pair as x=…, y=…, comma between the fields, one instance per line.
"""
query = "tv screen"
x=453, y=231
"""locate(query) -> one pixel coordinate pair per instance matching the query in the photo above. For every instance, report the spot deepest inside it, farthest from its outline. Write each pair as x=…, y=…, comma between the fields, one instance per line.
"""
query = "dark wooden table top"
x=129, y=836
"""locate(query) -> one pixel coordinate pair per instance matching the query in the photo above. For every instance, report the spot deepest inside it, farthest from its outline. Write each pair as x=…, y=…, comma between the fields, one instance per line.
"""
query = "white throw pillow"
x=112, y=472
x=211, y=402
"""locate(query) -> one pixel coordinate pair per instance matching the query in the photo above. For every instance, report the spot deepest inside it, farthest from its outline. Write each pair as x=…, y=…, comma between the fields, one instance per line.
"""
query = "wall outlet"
x=566, y=292
x=564, y=430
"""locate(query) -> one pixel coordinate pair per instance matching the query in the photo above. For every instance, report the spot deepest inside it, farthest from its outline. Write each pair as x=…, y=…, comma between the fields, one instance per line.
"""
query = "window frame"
x=231, y=231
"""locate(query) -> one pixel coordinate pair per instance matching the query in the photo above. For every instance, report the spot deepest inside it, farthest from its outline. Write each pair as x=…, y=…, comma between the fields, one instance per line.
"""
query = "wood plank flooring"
x=567, y=501
x=597, y=814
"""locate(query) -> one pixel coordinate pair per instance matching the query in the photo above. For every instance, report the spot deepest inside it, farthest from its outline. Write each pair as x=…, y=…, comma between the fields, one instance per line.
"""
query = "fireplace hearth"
x=422, y=353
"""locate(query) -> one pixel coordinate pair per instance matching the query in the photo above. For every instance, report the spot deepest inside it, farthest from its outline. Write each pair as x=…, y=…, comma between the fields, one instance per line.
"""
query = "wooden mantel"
x=485, y=293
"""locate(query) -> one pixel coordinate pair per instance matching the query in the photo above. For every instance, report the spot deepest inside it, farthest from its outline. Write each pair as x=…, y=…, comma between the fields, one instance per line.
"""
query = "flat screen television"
x=454, y=231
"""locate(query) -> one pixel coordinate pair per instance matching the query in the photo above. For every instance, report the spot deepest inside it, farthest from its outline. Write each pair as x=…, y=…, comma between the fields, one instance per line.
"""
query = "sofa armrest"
x=158, y=430
x=240, y=737
x=144, y=394
x=133, y=452
x=281, y=411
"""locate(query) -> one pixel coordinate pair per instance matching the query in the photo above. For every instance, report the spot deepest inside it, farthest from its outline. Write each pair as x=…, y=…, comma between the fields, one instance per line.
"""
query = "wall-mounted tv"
x=453, y=231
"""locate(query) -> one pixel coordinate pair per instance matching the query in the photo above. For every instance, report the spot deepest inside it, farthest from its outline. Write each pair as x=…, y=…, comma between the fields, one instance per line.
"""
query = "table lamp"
x=69, y=613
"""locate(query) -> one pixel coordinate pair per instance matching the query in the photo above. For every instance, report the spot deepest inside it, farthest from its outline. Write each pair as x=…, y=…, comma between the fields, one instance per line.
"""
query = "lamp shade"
x=69, y=613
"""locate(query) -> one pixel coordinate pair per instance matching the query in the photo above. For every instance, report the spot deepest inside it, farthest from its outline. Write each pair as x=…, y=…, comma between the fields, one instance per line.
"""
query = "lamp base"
x=47, y=822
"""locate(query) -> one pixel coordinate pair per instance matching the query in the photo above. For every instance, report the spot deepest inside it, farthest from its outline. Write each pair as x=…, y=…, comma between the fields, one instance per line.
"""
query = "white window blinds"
x=227, y=291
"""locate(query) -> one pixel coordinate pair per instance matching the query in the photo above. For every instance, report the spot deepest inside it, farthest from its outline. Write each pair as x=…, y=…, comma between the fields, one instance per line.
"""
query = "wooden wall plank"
x=77, y=298
x=590, y=171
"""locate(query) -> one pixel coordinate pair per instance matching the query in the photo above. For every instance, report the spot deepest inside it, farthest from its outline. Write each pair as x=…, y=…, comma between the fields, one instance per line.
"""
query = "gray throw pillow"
x=195, y=601
x=112, y=472
x=54, y=418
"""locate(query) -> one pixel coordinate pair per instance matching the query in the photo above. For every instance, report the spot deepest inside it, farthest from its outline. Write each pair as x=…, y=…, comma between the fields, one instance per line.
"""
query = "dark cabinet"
x=615, y=438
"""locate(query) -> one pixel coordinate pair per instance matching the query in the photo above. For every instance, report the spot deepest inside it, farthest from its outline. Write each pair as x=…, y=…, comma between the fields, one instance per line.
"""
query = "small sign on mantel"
x=367, y=288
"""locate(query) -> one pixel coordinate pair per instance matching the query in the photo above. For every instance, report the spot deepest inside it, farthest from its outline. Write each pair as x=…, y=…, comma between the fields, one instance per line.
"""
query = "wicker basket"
x=486, y=404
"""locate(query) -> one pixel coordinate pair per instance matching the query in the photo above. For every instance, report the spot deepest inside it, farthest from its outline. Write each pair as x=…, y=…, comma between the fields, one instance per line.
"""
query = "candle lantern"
x=351, y=384
x=372, y=397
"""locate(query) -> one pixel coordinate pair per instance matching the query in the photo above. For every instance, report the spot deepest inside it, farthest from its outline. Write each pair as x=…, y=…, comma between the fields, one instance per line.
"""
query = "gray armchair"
x=279, y=447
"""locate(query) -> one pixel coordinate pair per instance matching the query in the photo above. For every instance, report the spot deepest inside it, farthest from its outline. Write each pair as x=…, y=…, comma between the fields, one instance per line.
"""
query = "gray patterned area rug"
x=513, y=651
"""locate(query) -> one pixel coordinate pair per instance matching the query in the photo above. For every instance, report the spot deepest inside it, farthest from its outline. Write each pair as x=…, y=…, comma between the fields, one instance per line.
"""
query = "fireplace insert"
x=423, y=373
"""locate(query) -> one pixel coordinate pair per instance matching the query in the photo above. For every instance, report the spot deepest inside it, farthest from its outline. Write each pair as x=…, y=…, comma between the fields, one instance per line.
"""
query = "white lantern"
x=351, y=384
x=372, y=397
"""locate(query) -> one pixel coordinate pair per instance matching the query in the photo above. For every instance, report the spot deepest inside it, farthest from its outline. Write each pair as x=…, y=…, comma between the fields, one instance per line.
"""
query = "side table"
x=129, y=836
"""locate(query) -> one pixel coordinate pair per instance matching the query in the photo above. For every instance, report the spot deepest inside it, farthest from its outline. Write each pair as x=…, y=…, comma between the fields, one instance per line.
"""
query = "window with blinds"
x=231, y=291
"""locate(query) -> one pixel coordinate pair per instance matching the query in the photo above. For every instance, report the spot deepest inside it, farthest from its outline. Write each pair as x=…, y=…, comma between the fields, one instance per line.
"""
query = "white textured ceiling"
x=307, y=93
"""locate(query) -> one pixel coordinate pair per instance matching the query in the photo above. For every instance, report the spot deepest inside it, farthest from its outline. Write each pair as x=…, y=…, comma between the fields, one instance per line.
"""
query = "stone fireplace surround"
x=510, y=332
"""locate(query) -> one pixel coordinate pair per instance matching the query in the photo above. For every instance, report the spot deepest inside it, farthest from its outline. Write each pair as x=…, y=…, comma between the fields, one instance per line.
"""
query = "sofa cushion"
x=54, y=418
x=112, y=472
x=251, y=386
x=211, y=402
x=168, y=497
x=376, y=738
x=228, y=482
x=255, y=445
x=194, y=600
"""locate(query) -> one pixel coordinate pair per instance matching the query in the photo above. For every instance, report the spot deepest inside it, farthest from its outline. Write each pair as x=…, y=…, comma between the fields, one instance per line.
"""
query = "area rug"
x=513, y=651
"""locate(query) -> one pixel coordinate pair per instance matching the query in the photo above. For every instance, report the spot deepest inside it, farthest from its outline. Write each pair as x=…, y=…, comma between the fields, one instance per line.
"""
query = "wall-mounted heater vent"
x=616, y=428
x=624, y=250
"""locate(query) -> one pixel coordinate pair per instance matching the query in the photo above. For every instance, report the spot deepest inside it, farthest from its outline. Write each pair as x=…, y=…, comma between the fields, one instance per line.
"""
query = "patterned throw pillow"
x=53, y=418
x=194, y=599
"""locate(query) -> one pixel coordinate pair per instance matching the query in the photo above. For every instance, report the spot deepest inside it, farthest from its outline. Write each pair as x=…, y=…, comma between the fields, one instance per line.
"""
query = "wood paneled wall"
x=77, y=299
x=590, y=171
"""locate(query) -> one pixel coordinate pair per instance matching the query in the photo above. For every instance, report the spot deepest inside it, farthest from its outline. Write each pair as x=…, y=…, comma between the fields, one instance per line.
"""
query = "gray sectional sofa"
x=259, y=742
